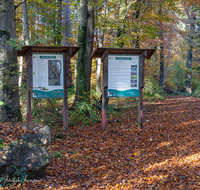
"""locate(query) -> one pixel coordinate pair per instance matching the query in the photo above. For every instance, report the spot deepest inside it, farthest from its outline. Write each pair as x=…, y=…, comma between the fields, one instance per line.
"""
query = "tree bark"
x=9, y=93
x=66, y=23
x=25, y=37
x=98, y=65
x=162, y=63
x=188, y=72
x=98, y=61
x=59, y=21
x=81, y=65
x=191, y=18
x=25, y=24
x=89, y=49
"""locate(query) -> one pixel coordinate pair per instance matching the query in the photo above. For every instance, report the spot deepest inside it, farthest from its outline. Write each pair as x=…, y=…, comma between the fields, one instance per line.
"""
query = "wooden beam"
x=141, y=80
x=104, y=55
x=140, y=109
x=28, y=53
x=152, y=52
x=29, y=82
x=141, y=86
x=66, y=85
x=105, y=85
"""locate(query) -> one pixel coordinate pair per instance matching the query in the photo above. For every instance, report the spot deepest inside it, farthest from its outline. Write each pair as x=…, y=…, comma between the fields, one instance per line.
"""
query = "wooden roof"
x=98, y=52
x=48, y=49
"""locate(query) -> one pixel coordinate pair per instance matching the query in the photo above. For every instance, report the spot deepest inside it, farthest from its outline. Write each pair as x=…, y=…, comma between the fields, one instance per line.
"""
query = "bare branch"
x=20, y=4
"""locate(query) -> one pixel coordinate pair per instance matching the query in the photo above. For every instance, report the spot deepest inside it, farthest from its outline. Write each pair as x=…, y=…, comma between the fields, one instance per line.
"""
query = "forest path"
x=165, y=154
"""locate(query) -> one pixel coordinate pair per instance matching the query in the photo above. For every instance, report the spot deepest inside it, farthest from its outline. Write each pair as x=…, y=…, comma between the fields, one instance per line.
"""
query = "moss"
x=4, y=33
x=6, y=107
x=2, y=143
x=5, y=86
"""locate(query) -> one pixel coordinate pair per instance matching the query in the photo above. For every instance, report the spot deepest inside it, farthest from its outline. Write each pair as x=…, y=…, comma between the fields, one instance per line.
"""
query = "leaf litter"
x=165, y=154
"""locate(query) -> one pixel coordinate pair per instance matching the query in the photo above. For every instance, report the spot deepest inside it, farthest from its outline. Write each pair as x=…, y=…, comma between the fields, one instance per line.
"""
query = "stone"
x=29, y=153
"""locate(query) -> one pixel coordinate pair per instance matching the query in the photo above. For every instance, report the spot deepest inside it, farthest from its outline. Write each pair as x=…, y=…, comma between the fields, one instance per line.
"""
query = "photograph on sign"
x=123, y=76
x=48, y=75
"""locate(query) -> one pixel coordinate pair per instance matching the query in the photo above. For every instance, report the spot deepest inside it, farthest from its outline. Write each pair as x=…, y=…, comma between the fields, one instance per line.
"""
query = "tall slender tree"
x=98, y=61
x=81, y=65
x=9, y=93
x=66, y=23
x=190, y=40
x=89, y=48
x=59, y=21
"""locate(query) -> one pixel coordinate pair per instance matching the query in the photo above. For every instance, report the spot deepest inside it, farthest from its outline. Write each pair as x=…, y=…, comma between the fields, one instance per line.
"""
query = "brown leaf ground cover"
x=165, y=154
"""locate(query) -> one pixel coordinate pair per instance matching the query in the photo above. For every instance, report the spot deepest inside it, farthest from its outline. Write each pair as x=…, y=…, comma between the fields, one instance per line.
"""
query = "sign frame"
x=103, y=53
x=121, y=76
x=68, y=52
x=43, y=91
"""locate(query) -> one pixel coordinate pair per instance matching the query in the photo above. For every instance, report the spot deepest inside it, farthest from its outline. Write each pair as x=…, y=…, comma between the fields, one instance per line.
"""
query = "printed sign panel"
x=123, y=76
x=48, y=75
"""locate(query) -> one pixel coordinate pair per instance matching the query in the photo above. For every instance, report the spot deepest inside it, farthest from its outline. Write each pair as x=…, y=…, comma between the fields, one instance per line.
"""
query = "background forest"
x=172, y=27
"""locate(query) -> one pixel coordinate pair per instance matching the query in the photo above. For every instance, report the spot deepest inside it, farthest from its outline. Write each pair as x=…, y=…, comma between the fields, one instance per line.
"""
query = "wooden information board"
x=51, y=74
x=123, y=75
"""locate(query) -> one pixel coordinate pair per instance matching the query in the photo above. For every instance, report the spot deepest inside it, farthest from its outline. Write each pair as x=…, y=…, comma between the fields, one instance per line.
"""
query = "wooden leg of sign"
x=65, y=110
x=28, y=95
x=103, y=121
x=29, y=83
x=140, y=109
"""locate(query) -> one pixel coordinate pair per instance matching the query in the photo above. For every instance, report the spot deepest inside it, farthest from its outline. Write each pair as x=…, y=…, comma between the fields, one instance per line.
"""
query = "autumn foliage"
x=163, y=155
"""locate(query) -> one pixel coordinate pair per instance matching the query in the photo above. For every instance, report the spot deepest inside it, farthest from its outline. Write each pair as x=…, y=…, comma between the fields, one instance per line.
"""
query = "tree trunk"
x=82, y=37
x=25, y=37
x=98, y=65
x=162, y=63
x=89, y=49
x=66, y=31
x=66, y=23
x=188, y=72
x=59, y=21
x=25, y=24
x=9, y=93
x=192, y=17
x=98, y=61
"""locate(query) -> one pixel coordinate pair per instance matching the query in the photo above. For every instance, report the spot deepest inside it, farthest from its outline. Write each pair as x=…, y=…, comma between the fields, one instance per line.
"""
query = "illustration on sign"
x=54, y=68
x=48, y=75
x=123, y=75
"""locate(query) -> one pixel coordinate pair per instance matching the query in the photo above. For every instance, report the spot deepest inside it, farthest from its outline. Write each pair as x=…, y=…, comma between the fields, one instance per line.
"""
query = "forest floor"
x=165, y=154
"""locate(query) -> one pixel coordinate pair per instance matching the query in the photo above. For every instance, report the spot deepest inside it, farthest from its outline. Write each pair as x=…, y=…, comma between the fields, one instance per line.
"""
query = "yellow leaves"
x=4, y=157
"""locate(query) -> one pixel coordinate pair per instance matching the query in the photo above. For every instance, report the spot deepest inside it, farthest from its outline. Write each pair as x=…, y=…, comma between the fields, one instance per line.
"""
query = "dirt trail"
x=165, y=154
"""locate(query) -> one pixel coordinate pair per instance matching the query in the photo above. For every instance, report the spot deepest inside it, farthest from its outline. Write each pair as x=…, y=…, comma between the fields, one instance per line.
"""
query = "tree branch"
x=20, y=4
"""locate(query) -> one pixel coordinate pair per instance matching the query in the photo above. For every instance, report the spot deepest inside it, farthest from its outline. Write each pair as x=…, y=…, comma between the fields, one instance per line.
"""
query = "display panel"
x=48, y=75
x=123, y=76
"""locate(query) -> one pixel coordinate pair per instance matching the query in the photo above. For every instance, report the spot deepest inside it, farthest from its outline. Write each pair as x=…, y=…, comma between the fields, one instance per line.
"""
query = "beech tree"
x=9, y=94
x=85, y=39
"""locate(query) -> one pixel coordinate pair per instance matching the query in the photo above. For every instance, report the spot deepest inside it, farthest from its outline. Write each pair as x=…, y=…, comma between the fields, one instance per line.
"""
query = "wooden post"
x=29, y=81
x=141, y=86
x=104, y=58
x=66, y=85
